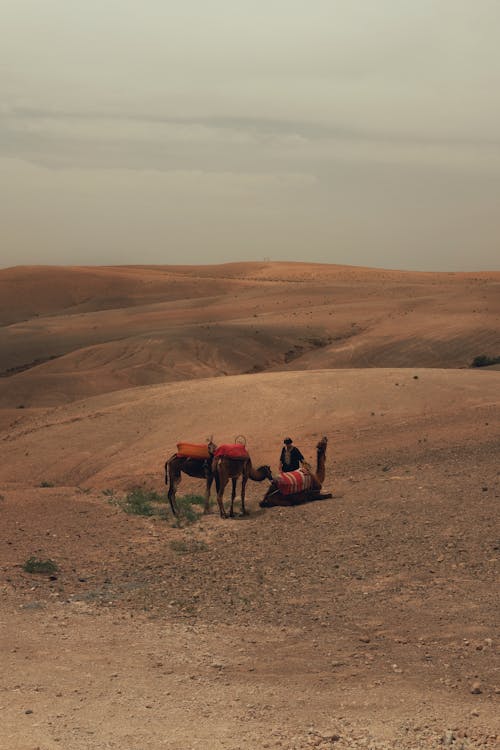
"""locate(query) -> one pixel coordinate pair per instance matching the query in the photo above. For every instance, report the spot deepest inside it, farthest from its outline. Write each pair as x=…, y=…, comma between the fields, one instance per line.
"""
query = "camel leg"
x=244, y=481
x=220, y=496
x=233, y=495
x=210, y=479
x=172, y=479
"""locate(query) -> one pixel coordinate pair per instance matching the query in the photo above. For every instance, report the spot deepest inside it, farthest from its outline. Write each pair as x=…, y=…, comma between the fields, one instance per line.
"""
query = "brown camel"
x=276, y=496
x=225, y=468
x=199, y=468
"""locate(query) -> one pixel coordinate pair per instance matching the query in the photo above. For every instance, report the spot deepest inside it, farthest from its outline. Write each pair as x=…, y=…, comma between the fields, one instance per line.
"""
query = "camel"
x=275, y=495
x=224, y=469
x=199, y=468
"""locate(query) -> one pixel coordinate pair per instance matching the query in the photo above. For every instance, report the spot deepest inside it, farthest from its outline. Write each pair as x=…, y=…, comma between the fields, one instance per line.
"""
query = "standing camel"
x=301, y=486
x=225, y=468
x=199, y=468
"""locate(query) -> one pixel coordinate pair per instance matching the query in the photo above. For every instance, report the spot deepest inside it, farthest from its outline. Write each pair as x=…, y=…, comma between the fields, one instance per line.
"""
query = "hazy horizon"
x=345, y=132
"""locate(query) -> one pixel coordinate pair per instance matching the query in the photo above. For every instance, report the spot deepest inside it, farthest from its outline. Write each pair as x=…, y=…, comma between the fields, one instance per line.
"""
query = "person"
x=291, y=457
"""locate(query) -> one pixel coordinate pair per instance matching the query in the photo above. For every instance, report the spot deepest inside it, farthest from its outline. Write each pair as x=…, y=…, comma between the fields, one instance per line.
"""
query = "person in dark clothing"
x=291, y=457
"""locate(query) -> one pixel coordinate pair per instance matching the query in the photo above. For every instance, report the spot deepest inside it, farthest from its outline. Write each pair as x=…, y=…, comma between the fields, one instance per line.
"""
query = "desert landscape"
x=368, y=620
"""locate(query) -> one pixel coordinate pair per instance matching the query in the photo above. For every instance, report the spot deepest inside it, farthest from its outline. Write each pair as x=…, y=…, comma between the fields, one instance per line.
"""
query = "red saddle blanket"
x=231, y=450
x=290, y=482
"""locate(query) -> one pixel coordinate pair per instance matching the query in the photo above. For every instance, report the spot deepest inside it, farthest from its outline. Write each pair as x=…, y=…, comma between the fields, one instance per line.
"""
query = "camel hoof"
x=244, y=513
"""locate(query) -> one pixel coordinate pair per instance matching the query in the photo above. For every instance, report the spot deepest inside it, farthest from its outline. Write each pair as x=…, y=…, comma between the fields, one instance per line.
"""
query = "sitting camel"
x=301, y=486
x=199, y=468
x=225, y=468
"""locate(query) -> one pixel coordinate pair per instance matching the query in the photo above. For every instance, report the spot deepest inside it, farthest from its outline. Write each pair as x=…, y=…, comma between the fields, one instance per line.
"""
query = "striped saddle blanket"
x=290, y=482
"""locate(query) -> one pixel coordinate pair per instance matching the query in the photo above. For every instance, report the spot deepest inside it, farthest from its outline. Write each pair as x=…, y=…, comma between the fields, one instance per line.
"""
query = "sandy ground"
x=370, y=620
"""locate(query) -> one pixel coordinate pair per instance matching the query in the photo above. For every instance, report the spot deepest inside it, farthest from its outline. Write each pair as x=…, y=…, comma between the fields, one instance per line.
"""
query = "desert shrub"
x=139, y=502
x=191, y=499
x=46, y=484
x=186, y=513
x=35, y=565
x=143, y=502
x=484, y=361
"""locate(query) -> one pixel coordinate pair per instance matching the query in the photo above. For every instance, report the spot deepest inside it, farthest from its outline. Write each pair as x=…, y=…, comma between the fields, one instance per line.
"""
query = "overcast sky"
x=364, y=132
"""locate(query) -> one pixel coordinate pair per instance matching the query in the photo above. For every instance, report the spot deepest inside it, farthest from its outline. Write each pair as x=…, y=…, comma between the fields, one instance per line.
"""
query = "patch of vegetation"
x=191, y=499
x=139, y=502
x=83, y=490
x=35, y=565
x=46, y=484
x=186, y=513
x=186, y=547
x=484, y=361
x=143, y=502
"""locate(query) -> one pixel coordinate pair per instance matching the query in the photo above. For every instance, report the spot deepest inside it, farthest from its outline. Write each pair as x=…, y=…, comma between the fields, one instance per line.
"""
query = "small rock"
x=475, y=688
x=28, y=711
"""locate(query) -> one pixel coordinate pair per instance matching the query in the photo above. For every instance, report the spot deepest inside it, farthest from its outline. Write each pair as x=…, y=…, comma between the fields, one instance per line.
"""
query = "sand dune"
x=102, y=329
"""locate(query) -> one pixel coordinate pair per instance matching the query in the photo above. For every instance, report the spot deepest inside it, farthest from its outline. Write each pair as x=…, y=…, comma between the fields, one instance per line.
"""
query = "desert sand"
x=369, y=620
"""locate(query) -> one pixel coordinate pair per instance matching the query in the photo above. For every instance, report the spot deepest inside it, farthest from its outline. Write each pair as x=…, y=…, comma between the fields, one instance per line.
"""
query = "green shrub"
x=143, y=502
x=484, y=361
x=46, y=484
x=139, y=501
x=35, y=565
x=186, y=514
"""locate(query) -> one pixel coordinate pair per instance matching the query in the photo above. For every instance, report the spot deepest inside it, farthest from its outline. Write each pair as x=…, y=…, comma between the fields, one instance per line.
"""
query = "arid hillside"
x=367, y=621
x=70, y=333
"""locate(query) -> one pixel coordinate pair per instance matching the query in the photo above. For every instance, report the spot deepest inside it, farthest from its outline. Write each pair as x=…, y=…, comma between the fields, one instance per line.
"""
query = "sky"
x=361, y=132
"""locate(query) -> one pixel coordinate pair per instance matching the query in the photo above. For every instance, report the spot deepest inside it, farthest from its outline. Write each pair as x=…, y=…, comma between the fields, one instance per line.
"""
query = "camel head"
x=265, y=472
x=211, y=445
x=321, y=447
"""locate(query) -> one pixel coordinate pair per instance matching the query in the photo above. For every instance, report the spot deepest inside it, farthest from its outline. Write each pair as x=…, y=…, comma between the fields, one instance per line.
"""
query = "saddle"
x=231, y=450
x=291, y=482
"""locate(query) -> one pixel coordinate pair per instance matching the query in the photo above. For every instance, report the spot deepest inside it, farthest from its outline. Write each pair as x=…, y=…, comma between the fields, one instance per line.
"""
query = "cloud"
x=252, y=126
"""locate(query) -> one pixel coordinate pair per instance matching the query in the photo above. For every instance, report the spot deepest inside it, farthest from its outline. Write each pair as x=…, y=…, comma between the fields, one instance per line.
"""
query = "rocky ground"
x=370, y=620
